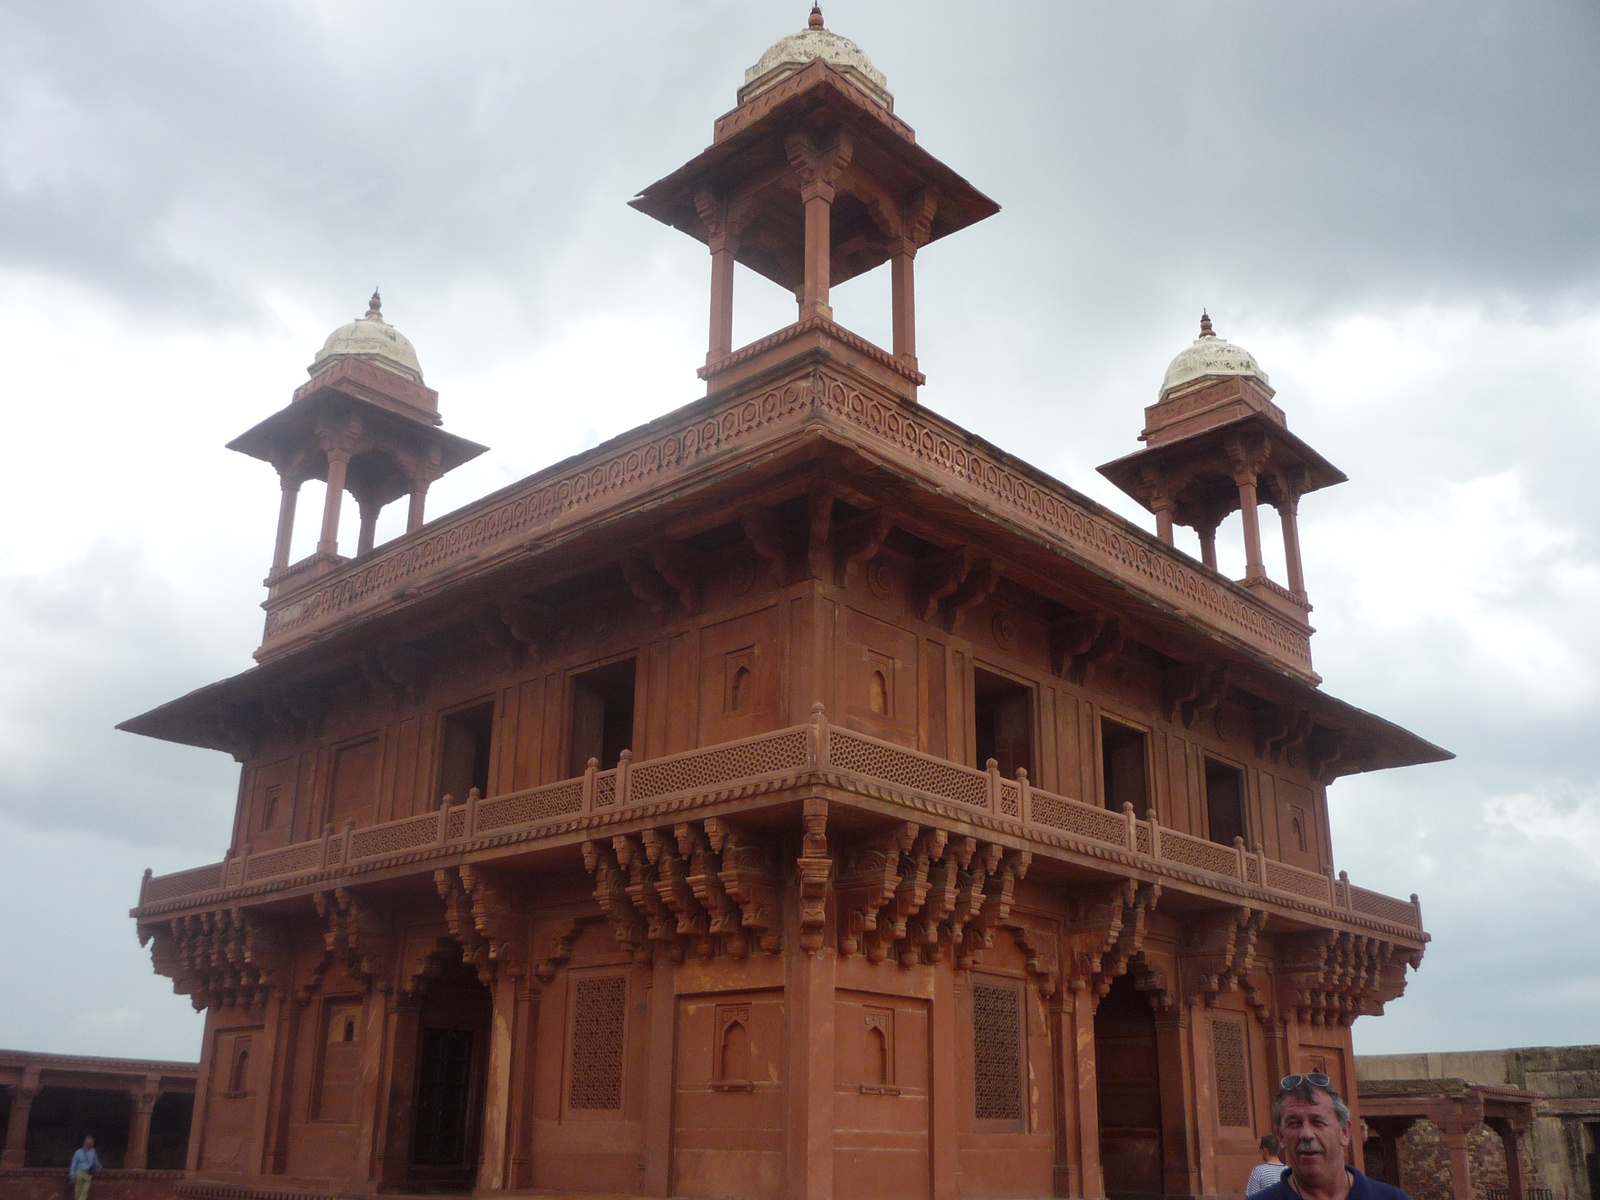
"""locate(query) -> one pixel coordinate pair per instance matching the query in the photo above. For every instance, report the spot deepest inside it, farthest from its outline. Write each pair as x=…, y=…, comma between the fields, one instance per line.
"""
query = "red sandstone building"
x=795, y=796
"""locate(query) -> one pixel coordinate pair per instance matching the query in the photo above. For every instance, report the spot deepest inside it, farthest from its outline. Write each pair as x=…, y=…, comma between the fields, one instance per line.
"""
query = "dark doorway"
x=61, y=1117
x=1224, y=802
x=602, y=715
x=464, y=752
x=1129, y=1084
x=1591, y=1158
x=169, y=1131
x=1122, y=766
x=452, y=1052
x=1003, y=712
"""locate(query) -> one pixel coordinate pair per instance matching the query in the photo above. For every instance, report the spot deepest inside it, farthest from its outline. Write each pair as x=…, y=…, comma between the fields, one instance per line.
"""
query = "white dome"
x=372, y=338
x=799, y=50
x=1211, y=357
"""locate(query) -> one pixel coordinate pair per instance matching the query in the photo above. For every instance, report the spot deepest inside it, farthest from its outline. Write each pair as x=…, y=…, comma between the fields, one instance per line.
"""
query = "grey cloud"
x=87, y=646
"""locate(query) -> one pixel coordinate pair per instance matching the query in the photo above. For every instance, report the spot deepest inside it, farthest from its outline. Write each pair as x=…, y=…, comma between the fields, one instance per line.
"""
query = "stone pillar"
x=283, y=1023
x=338, y=464
x=369, y=526
x=1203, y=1115
x=818, y=200
x=1208, y=542
x=144, y=1103
x=494, y=1159
x=419, y=497
x=1288, y=514
x=1077, y=1170
x=404, y=1033
x=658, y=1085
x=1253, y=566
x=818, y=169
x=1455, y=1138
x=903, y=302
x=810, y=1017
x=16, y=1147
x=721, y=340
x=1179, y=1169
x=1516, y=1160
x=943, y=1101
x=1163, y=509
x=286, y=505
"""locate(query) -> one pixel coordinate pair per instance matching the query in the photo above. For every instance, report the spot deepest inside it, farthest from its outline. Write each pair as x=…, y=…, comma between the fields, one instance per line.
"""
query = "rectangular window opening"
x=1224, y=802
x=1003, y=712
x=464, y=752
x=1123, y=764
x=602, y=715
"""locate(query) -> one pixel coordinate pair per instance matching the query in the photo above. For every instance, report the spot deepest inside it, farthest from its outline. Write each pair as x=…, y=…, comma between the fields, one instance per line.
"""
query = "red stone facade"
x=794, y=796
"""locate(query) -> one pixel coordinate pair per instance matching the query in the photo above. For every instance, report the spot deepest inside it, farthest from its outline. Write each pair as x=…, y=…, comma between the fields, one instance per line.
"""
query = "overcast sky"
x=1392, y=206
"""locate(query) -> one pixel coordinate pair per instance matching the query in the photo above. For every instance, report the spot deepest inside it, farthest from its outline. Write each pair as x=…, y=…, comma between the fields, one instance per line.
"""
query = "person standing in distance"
x=85, y=1164
x=1313, y=1123
x=1270, y=1169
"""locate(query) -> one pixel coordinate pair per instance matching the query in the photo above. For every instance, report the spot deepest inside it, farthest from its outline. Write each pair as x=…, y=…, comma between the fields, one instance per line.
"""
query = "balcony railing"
x=815, y=752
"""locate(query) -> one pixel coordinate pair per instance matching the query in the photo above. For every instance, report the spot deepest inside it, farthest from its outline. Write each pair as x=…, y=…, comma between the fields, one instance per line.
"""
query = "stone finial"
x=374, y=307
x=815, y=20
x=1205, y=324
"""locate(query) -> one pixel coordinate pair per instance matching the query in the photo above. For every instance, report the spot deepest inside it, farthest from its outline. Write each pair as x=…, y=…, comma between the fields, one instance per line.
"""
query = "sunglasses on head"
x=1289, y=1082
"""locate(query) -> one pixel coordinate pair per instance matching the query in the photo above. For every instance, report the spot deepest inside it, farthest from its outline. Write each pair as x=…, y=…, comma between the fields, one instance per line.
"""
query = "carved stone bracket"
x=1194, y=689
x=946, y=585
x=357, y=934
x=1330, y=978
x=770, y=540
x=1080, y=640
x=1218, y=950
x=667, y=571
x=1324, y=749
x=995, y=911
x=867, y=878
x=611, y=890
x=224, y=958
x=1279, y=728
x=484, y=919
x=857, y=541
x=1104, y=932
x=819, y=530
x=709, y=886
x=814, y=868
x=400, y=671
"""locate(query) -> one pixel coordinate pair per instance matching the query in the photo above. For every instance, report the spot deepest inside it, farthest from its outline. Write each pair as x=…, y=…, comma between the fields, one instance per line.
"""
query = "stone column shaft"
x=17, y=1127
x=369, y=528
x=903, y=304
x=722, y=262
x=1253, y=566
x=819, y=252
x=1288, y=514
x=338, y=464
x=144, y=1103
x=286, y=506
x=419, y=497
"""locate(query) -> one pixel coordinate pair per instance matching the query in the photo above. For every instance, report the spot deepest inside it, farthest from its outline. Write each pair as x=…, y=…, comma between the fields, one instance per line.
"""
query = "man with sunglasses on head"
x=1313, y=1123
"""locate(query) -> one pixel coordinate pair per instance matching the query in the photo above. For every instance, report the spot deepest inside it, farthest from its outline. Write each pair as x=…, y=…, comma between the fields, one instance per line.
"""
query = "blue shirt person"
x=85, y=1163
x=1313, y=1123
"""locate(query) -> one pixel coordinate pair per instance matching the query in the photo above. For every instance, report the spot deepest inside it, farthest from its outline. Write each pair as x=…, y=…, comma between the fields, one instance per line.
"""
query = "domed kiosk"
x=1216, y=443
x=365, y=423
x=372, y=338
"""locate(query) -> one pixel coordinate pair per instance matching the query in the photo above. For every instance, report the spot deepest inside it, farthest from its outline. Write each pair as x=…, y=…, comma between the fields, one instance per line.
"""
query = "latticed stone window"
x=996, y=1053
x=599, y=1009
x=1233, y=1084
